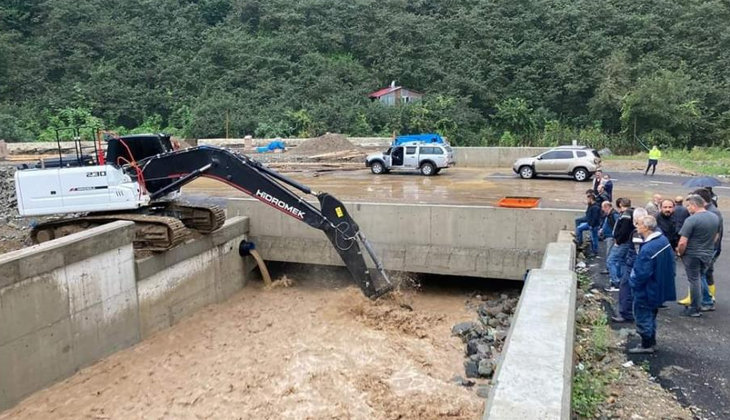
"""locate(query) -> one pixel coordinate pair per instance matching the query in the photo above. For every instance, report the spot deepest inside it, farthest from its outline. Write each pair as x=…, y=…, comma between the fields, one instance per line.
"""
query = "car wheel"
x=526, y=172
x=427, y=169
x=377, y=168
x=580, y=174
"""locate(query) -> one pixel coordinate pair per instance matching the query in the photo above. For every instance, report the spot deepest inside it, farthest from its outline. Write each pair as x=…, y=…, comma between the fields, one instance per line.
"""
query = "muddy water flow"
x=307, y=350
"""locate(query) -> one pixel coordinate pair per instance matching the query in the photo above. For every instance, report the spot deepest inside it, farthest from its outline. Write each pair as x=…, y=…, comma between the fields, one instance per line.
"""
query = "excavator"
x=139, y=177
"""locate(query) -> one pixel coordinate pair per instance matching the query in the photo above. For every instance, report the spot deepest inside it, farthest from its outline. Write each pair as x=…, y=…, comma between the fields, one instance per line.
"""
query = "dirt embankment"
x=285, y=353
x=329, y=143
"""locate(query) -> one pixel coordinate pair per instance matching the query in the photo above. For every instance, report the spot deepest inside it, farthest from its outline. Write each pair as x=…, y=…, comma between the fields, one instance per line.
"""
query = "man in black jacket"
x=621, y=259
x=680, y=213
x=597, y=180
x=666, y=222
x=592, y=223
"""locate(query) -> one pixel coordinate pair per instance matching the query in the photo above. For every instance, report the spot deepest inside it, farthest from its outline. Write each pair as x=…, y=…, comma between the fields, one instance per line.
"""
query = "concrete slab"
x=534, y=377
x=559, y=256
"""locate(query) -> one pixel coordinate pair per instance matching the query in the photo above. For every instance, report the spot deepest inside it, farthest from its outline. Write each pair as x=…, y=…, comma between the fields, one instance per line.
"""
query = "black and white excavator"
x=138, y=178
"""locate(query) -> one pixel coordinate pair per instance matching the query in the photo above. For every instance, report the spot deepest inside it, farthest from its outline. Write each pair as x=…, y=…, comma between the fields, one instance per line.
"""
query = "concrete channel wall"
x=474, y=241
x=175, y=284
x=67, y=303
x=535, y=375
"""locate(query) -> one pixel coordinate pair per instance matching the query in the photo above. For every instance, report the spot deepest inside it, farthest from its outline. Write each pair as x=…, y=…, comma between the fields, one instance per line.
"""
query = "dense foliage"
x=494, y=72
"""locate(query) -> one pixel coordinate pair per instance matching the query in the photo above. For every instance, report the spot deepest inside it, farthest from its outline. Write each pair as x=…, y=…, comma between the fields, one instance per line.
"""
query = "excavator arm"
x=266, y=185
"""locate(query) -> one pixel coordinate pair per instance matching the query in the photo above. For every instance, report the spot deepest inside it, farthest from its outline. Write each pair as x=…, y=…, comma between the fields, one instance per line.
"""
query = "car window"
x=387, y=152
x=438, y=151
x=426, y=150
x=595, y=153
x=411, y=150
x=564, y=154
x=581, y=154
x=550, y=155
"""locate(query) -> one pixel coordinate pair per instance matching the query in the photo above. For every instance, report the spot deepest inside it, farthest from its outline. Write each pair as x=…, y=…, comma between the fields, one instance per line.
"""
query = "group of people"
x=643, y=247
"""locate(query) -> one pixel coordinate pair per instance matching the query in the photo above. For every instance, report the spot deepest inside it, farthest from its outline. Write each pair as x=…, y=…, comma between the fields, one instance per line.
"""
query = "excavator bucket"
x=347, y=239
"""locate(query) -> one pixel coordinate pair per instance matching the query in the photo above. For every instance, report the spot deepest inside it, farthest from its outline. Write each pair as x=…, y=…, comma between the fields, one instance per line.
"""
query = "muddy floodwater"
x=463, y=186
x=284, y=353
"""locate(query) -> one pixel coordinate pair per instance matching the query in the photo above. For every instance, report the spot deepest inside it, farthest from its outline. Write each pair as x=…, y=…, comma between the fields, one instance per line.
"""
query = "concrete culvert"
x=315, y=349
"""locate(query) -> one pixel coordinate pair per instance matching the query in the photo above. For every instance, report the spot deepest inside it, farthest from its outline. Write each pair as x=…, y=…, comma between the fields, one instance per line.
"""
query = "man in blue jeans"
x=622, y=232
x=592, y=223
x=697, y=248
x=610, y=219
x=652, y=281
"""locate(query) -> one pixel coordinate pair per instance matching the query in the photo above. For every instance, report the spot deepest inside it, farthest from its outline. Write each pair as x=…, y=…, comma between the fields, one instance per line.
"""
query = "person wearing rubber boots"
x=697, y=248
x=651, y=281
x=708, y=279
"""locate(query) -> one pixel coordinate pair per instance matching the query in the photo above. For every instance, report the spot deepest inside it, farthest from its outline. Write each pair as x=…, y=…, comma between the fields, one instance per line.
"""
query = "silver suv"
x=429, y=158
x=580, y=162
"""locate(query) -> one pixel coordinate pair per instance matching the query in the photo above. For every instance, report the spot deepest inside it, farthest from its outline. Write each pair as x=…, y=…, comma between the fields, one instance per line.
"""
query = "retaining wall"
x=64, y=305
x=479, y=157
x=467, y=157
x=477, y=241
x=177, y=283
x=67, y=303
x=534, y=377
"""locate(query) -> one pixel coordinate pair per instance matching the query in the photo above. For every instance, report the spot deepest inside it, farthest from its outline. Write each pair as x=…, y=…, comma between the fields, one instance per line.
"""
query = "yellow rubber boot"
x=712, y=290
x=686, y=301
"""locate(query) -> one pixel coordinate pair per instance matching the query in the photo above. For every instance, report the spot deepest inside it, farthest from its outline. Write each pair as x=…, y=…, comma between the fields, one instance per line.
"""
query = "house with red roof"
x=395, y=95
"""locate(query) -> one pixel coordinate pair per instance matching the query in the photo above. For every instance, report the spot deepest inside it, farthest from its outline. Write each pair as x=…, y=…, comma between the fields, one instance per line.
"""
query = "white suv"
x=429, y=158
x=580, y=162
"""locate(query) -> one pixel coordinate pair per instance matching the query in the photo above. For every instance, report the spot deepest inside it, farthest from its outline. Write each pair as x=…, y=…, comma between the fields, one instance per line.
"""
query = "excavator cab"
x=136, y=147
x=132, y=148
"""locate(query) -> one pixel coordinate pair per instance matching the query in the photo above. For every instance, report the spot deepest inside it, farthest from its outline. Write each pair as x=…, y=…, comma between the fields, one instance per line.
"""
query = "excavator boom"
x=247, y=175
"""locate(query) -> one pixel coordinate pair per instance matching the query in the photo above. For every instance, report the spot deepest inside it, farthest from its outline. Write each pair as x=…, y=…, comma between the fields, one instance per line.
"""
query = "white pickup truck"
x=429, y=158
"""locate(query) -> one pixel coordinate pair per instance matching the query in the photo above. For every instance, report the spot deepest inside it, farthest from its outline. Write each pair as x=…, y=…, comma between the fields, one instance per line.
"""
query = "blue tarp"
x=276, y=144
x=424, y=138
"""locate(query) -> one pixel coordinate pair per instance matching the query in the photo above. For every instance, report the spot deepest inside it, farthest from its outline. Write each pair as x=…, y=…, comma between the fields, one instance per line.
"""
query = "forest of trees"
x=494, y=72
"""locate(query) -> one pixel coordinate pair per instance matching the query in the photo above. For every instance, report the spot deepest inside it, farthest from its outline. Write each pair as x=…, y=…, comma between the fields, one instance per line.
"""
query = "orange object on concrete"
x=519, y=202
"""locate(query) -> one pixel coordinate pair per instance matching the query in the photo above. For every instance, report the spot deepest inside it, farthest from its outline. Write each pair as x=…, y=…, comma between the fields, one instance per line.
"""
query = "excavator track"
x=152, y=233
x=200, y=217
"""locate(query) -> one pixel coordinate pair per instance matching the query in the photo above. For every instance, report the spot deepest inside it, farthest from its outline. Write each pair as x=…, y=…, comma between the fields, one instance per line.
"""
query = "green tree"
x=663, y=106
x=516, y=116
